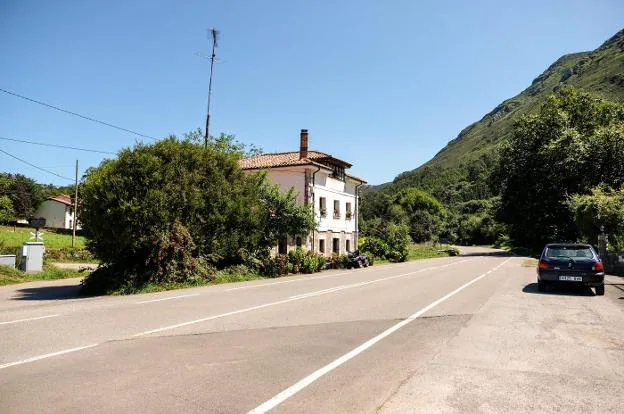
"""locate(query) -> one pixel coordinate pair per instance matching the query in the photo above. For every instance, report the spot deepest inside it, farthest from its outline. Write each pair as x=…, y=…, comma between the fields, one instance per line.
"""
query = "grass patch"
x=14, y=237
x=428, y=251
x=529, y=263
x=419, y=251
x=10, y=276
x=222, y=276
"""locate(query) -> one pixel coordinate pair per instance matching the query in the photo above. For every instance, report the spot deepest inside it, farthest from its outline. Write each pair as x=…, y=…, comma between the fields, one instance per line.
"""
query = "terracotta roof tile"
x=356, y=178
x=285, y=159
x=65, y=199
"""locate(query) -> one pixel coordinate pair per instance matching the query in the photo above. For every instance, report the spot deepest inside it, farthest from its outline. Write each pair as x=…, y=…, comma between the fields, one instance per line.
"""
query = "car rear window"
x=569, y=251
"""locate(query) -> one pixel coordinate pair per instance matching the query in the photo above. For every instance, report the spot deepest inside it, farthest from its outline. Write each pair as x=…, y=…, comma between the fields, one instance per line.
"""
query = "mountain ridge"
x=600, y=71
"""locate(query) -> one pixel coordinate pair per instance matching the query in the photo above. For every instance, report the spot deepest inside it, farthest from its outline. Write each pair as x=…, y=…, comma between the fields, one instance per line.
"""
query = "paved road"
x=462, y=334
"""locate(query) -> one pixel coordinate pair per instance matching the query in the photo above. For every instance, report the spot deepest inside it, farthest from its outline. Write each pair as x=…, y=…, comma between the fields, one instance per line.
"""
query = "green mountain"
x=600, y=71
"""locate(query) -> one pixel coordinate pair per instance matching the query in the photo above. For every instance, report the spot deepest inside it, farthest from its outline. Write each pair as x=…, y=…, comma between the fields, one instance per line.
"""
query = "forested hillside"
x=463, y=178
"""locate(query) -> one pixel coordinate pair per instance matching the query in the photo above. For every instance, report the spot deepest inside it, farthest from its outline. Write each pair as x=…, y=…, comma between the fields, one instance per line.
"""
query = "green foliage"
x=423, y=213
x=459, y=172
x=551, y=156
x=24, y=194
x=6, y=209
x=338, y=261
x=598, y=71
x=224, y=143
x=295, y=260
x=9, y=275
x=174, y=203
x=393, y=245
x=300, y=261
x=603, y=207
x=53, y=239
x=375, y=247
x=68, y=254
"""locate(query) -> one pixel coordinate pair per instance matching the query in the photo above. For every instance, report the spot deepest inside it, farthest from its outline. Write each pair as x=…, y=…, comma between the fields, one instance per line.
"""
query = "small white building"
x=320, y=180
x=58, y=212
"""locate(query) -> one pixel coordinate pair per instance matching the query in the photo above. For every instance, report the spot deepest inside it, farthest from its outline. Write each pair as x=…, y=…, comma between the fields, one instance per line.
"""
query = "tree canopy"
x=574, y=143
x=175, y=191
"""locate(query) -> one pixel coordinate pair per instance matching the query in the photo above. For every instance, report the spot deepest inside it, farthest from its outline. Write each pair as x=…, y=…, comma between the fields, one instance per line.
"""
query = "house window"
x=338, y=172
x=323, y=206
x=336, y=246
x=348, y=245
x=298, y=241
x=336, y=209
x=322, y=246
x=283, y=246
x=348, y=212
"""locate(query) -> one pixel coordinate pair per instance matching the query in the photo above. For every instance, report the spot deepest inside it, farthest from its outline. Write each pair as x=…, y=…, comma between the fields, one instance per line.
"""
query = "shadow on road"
x=571, y=290
x=487, y=254
x=48, y=293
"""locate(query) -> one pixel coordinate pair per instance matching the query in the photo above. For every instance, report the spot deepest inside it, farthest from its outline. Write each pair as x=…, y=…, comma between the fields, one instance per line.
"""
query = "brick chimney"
x=303, y=148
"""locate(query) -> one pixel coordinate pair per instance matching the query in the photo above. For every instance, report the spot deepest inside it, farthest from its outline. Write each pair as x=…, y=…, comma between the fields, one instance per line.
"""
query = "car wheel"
x=600, y=290
x=541, y=286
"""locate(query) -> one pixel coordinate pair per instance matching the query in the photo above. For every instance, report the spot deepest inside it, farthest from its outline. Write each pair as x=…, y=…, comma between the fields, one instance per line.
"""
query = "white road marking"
x=28, y=319
x=37, y=358
x=169, y=298
x=353, y=285
x=292, y=390
x=279, y=302
x=287, y=281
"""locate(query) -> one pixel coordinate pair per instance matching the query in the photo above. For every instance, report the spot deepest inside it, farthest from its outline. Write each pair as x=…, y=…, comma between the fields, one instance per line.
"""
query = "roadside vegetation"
x=176, y=213
x=57, y=244
x=557, y=176
x=9, y=275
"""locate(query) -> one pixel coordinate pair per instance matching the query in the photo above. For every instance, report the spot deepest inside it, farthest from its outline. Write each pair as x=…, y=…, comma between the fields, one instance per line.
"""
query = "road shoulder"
x=526, y=352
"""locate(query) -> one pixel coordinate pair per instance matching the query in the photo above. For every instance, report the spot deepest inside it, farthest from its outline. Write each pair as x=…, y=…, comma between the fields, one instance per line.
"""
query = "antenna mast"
x=214, y=34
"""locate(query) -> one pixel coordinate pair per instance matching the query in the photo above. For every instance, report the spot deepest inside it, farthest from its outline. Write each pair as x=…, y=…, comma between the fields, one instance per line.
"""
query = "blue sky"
x=381, y=84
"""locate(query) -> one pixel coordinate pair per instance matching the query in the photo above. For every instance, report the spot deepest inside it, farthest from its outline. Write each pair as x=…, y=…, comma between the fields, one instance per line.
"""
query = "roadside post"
x=32, y=252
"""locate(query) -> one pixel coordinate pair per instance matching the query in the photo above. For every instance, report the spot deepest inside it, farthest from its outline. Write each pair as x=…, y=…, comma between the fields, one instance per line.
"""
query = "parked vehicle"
x=356, y=260
x=570, y=263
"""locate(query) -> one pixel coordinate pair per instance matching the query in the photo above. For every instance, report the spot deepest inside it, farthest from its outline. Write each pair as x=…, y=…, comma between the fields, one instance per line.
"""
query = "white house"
x=58, y=212
x=320, y=180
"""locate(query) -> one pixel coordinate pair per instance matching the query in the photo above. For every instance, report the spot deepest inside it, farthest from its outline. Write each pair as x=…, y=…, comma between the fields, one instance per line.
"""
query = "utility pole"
x=75, y=209
x=214, y=34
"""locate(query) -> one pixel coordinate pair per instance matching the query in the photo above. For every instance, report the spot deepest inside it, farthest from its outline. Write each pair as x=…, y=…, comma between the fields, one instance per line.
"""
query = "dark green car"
x=570, y=263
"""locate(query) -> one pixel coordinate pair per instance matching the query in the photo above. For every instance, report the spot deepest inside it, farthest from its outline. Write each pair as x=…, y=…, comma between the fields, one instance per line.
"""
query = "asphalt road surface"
x=460, y=334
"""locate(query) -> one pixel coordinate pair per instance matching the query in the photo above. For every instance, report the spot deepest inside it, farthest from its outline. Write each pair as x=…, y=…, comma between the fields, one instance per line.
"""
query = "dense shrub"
x=129, y=201
x=375, y=247
x=169, y=261
x=295, y=260
x=393, y=247
x=68, y=255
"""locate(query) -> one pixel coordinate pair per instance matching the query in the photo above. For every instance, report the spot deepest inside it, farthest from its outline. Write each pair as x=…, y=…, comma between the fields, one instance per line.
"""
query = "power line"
x=56, y=146
x=76, y=114
x=33, y=165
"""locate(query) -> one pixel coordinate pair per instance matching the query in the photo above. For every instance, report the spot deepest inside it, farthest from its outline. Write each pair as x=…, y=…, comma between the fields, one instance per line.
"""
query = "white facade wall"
x=57, y=215
x=293, y=178
x=332, y=190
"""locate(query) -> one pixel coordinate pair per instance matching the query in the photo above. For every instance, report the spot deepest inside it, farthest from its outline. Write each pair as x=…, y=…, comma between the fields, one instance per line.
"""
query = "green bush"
x=295, y=260
x=338, y=261
x=68, y=255
x=375, y=247
x=170, y=261
x=313, y=263
x=129, y=201
x=240, y=269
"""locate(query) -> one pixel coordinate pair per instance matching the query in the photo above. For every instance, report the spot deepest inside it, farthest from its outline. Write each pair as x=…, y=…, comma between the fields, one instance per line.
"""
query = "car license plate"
x=571, y=278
